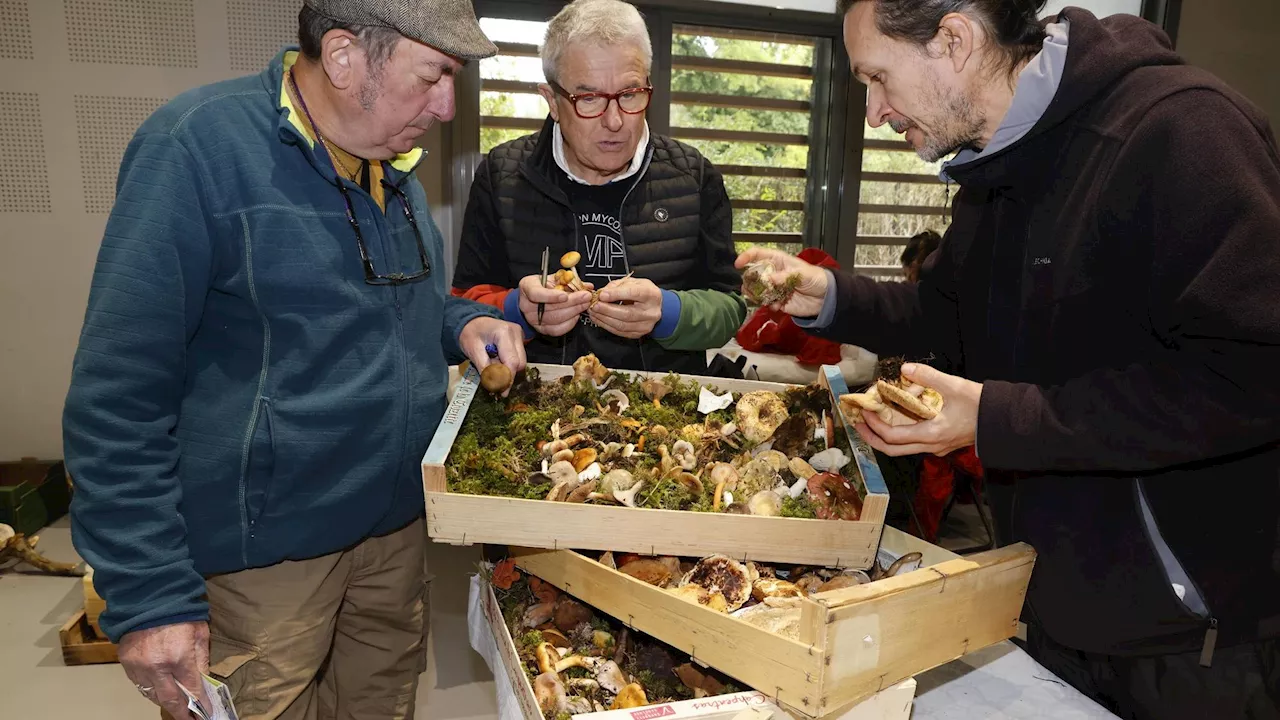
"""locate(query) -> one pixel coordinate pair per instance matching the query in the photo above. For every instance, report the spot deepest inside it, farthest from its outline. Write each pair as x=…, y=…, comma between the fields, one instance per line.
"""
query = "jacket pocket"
x=262, y=459
x=240, y=666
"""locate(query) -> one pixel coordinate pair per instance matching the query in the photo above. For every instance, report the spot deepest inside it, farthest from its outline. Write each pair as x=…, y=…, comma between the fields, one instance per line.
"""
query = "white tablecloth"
x=858, y=365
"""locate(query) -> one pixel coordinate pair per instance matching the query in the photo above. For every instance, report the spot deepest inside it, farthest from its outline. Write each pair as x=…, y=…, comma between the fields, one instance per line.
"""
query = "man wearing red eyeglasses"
x=648, y=216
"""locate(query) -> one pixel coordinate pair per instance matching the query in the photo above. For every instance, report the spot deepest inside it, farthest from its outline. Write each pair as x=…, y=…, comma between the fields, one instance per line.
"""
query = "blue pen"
x=492, y=350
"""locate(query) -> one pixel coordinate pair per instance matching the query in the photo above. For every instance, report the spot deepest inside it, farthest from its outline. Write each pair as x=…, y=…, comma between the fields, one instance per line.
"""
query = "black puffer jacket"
x=677, y=227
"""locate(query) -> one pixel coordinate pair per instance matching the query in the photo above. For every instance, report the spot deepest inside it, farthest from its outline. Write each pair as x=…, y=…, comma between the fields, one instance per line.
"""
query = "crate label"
x=868, y=469
x=451, y=423
x=651, y=713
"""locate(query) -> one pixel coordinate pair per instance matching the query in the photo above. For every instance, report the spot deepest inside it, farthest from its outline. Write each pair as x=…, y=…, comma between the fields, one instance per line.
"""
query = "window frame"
x=835, y=158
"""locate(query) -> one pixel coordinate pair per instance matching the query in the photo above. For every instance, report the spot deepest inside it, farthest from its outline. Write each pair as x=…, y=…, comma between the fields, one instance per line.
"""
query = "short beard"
x=371, y=90
x=959, y=125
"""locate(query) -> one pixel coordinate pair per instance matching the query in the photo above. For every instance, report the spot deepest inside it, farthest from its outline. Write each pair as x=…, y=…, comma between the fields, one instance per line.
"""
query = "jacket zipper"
x=1194, y=599
x=626, y=259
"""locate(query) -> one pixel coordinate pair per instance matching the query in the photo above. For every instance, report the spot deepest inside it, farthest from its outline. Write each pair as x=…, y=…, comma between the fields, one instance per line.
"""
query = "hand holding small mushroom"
x=954, y=427
x=564, y=298
x=629, y=307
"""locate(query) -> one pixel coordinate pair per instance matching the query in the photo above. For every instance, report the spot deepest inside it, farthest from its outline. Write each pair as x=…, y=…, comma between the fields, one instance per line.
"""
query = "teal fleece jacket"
x=241, y=396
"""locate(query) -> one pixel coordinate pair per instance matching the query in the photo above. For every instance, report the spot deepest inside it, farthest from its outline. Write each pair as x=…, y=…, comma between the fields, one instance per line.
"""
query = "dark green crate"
x=22, y=507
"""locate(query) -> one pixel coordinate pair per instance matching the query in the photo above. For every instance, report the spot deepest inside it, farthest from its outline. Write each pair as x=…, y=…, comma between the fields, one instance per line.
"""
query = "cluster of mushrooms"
x=577, y=667
x=769, y=447
x=759, y=288
x=762, y=595
x=896, y=402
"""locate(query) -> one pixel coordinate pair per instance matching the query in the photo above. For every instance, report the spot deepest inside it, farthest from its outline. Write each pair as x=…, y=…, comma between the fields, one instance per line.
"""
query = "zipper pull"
x=1210, y=642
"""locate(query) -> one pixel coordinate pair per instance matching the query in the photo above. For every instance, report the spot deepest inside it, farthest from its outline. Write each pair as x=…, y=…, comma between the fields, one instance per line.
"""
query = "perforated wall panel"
x=15, y=31
x=258, y=29
x=158, y=33
x=105, y=125
x=24, y=177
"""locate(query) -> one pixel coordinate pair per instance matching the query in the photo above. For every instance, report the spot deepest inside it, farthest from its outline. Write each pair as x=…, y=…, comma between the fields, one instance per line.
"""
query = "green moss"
x=529, y=641
x=800, y=507
x=663, y=689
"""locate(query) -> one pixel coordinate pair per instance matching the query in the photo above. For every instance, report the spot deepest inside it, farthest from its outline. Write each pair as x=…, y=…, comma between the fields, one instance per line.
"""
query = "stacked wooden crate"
x=859, y=647
x=82, y=639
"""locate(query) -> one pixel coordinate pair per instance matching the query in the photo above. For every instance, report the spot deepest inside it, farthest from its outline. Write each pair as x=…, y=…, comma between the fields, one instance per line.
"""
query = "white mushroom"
x=610, y=677
x=829, y=460
x=615, y=480
x=562, y=472
x=592, y=472
x=765, y=503
x=550, y=693
x=684, y=455
x=616, y=400
x=628, y=497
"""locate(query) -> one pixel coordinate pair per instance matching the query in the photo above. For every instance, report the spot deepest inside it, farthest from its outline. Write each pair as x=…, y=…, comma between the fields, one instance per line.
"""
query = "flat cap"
x=449, y=26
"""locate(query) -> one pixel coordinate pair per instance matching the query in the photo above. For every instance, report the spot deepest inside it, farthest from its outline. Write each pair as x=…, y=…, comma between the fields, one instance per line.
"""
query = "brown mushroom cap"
x=496, y=378
x=570, y=259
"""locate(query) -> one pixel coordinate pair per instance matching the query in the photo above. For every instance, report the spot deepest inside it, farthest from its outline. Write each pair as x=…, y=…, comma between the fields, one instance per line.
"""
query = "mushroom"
x=773, y=587
x=561, y=491
x=583, y=458
x=610, y=677
x=649, y=571
x=616, y=401
x=588, y=368
x=701, y=596
x=724, y=575
x=575, y=661
x=608, y=561
x=496, y=378
x=684, y=454
x=571, y=614
x=562, y=472
x=553, y=448
x=565, y=455
x=904, y=564
x=550, y=693
x=570, y=259
x=540, y=614
x=547, y=657
x=801, y=469
x=632, y=696
x=765, y=503
x=601, y=639
x=690, y=482
x=728, y=429
x=628, y=497
x=841, y=582
x=539, y=478
x=702, y=684
x=584, y=685
x=655, y=390
x=556, y=639
x=725, y=477
x=615, y=480
x=759, y=413
x=583, y=491
x=829, y=460
x=659, y=431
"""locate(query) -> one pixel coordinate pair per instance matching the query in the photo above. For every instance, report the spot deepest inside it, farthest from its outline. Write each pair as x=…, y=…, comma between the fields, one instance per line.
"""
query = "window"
x=900, y=195
x=510, y=106
x=744, y=100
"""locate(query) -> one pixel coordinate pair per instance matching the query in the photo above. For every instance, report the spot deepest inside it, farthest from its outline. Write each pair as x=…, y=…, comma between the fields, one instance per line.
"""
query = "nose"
x=878, y=109
x=442, y=105
x=612, y=117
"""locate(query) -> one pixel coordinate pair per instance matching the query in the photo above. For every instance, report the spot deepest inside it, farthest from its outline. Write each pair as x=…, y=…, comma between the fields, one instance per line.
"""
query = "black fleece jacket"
x=1112, y=278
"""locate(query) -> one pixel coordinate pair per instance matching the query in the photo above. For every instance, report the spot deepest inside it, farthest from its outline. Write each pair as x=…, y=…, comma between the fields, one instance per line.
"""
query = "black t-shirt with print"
x=598, y=212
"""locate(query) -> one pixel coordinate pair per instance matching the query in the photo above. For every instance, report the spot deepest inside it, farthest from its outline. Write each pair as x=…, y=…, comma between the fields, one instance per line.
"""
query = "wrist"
x=511, y=313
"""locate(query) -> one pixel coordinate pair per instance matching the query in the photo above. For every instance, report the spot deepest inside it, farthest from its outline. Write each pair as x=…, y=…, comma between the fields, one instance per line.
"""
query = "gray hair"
x=604, y=23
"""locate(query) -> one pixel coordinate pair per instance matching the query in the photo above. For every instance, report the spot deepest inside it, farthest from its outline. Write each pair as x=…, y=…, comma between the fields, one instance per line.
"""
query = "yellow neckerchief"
x=404, y=162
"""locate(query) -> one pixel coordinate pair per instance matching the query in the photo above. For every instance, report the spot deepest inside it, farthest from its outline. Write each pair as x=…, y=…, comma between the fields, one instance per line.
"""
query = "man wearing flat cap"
x=263, y=362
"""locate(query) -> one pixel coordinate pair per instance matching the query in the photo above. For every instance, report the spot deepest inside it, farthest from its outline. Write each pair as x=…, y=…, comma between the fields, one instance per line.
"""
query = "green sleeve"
x=708, y=319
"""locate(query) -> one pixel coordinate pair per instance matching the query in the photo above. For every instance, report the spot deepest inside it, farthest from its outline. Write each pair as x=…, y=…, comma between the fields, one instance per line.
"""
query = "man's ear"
x=550, y=96
x=340, y=54
x=956, y=40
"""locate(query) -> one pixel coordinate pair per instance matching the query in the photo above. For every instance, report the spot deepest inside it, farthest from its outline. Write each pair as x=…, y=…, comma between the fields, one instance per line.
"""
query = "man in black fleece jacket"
x=1103, y=322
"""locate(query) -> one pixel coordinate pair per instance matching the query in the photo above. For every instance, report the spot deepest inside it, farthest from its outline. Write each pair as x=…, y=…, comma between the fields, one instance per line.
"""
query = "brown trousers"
x=339, y=637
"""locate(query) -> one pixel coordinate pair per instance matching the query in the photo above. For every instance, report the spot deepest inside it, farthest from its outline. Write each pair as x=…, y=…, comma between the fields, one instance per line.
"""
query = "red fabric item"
x=773, y=331
x=937, y=483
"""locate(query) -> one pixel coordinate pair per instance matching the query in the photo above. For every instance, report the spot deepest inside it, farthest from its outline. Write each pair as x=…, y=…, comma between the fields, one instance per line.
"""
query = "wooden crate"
x=94, y=605
x=894, y=703
x=82, y=646
x=460, y=519
x=853, y=642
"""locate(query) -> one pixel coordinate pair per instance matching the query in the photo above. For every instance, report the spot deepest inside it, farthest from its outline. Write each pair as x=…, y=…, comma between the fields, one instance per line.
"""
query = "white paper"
x=709, y=402
x=482, y=642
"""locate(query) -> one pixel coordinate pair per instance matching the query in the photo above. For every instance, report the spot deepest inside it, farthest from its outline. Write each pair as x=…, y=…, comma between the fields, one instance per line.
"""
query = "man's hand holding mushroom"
x=630, y=307
x=483, y=334
x=561, y=310
x=955, y=427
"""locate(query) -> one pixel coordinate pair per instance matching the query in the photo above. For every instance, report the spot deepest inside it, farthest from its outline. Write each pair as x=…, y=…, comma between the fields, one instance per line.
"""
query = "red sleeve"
x=494, y=295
